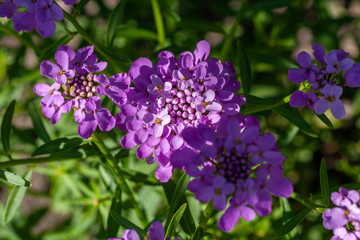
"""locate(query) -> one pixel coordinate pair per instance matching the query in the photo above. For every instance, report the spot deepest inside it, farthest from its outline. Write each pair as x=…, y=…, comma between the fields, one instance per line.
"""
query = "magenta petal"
x=129, y=234
x=163, y=174
x=304, y=60
x=49, y=69
x=105, y=119
x=56, y=13
x=24, y=21
x=202, y=51
x=176, y=142
x=82, y=54
x=180, y=158
x=158, y=130
x=42, y=89
x=334, y=218
x=280, y=187
x=62, y=59
x=296, y=75
x=229, y=219
x=144, y=151
x=48, y=111
x=87, y=126
x=56, y=117
x=321, y=106
x=7, y=9
x=46, y=29
x=128, y=141
x=337, y=109
x=219, y=202
x=156, y=231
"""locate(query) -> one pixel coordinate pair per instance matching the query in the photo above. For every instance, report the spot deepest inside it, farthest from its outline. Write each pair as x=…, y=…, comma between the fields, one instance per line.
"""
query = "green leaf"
x=325, y=120
x=127, y=224
x=250, y=99
x=205, y=216
x=112, y=224
x=355, y=185
x=200, y=26
x=49, y=51
x=267, y=5
x=306, y=202
x=38, y=125
x=287, y=214
x=257, y=57
x=15, y=198
x=292, y=223
x=137, y=33
x=187, y=222
x=293, y=116
x=324, y=183
x=181, y=186
x=58, y=145
x=6, y=126
x=80, y=7
x=245, y=69
x=159, y=22
x=14, y=179
x=175, y=221
x=3, y=69
x=114, y=22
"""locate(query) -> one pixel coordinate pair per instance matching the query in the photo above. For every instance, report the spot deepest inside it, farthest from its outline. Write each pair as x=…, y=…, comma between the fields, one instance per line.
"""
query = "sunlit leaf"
x=175, y=221
x=14, y=179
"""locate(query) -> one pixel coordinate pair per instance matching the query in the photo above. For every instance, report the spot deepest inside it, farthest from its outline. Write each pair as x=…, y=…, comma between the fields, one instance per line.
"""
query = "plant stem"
x=114, y=164
x=159, y=22
x=16, y=35
x=230, y=37
x=205, y=216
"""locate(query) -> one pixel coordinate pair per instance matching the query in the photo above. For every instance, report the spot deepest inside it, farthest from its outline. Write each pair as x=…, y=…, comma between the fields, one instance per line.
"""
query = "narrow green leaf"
x=175, y=221
x=159, y=22
x=181, y=186
x=6, y=126
x=355, y=185
x=306, y=202
x=293, y=116
x=205, y=216
x=80, y=7
x=257, y=57
x=325, y=120
x=14, y=179
x=187, y=222
x=112, y=225
x=250, y=99
x=267, y=5
x=49, y=51
x=324, y=183
x=127, y=224
x=136, y=33
x=3, y=69
x=245, y=69
x=292, y=223
x=287, y=214
x=58, y=145
x=114, y=22
x=38, y=125
x=15, y=198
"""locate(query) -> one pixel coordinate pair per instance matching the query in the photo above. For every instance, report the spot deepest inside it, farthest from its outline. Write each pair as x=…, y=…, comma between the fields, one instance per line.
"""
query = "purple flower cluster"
x=156, y=232
x=344, y=219
x=233, y=160
x=172, y=95
x=39, y=15
x=322, y=83
x=77, y=87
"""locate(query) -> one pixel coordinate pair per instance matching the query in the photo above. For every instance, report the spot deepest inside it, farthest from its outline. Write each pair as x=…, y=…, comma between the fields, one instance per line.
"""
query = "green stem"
x=16, y=162
x=114, y=164
x=230, y=37
x=16, y=35
x=304, y=201
x=205, y=216
x=159, y=22
x=114, y=63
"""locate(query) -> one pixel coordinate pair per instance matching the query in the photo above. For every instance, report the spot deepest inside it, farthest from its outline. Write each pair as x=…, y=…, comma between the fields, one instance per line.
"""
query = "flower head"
x=175, y=93
x=321, y=85
x=344, y=218
x=233, y=160
x=78, y=85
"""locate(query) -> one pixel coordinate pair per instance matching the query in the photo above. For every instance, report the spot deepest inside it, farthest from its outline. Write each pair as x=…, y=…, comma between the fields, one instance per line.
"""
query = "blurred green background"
x=70, y=199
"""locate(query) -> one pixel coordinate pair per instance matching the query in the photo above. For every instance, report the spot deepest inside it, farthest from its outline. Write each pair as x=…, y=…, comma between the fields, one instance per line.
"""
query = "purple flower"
x=156, y=232
x=7, y=9
x=337, y=60
x=56, y=108
x=48, y=11
x=187, y=91
x=307, y=72
x=330, y=100
x=233, y=160
x=352, y=76
x=344, y=219
x=323, y=86
x=95, y=116
x=79, y=87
